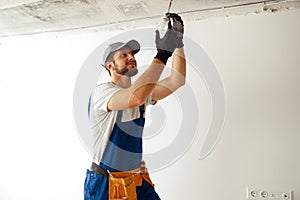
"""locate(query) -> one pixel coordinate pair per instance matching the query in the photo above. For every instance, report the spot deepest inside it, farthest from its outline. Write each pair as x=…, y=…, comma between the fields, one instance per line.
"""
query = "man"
x=117, y=114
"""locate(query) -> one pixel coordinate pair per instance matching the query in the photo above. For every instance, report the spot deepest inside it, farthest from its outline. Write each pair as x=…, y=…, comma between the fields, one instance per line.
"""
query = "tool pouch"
x=122, y=187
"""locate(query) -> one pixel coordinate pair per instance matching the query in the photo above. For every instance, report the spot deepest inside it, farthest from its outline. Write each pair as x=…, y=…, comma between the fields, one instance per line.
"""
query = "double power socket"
x=261, y=194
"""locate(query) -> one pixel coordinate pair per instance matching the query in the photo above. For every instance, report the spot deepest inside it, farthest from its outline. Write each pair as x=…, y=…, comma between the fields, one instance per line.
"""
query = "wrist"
x=163, y=55
x=180, y=43
x=157, y=61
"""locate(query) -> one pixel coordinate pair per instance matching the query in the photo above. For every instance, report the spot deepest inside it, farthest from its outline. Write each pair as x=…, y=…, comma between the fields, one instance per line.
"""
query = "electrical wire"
x=170, y=4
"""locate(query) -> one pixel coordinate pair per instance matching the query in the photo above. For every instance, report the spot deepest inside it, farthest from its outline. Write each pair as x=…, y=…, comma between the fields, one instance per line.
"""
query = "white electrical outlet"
x=263, y=194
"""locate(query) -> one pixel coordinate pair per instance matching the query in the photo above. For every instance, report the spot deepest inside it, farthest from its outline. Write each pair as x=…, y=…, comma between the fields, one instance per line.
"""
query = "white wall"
x=258, y=59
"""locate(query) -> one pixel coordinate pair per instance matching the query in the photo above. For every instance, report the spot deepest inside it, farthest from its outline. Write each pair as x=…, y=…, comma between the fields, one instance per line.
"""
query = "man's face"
x=124, y=62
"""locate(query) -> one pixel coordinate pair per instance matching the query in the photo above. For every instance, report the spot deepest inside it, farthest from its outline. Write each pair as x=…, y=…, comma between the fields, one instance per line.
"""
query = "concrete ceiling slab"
x=19, y=17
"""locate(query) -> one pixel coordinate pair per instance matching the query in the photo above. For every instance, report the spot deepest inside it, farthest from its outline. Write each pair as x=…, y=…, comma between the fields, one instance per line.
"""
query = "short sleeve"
x=102, y=95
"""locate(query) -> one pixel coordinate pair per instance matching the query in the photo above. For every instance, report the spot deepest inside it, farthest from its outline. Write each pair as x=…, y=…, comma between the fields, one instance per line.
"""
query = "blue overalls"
x=123, y=153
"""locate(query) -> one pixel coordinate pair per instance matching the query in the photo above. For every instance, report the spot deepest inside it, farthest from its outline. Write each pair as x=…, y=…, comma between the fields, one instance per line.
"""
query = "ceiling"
x=23, y=17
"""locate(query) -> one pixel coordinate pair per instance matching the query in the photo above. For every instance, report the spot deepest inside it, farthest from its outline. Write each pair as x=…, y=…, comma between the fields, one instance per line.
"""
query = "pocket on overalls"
x=92, y=183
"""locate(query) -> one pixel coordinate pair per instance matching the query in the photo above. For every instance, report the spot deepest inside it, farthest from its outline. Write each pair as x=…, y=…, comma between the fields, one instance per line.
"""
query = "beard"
x=127, y=72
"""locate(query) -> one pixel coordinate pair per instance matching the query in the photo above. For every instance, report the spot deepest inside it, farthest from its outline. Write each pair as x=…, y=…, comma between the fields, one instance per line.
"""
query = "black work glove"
x=167, y=44
x=177, y=27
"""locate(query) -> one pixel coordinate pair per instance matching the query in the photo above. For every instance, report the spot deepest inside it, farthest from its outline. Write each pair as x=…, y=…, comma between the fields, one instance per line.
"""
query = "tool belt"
x=122, y=185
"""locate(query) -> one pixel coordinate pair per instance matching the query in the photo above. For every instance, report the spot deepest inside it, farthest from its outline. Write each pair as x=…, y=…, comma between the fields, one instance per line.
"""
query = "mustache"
x=131, y=62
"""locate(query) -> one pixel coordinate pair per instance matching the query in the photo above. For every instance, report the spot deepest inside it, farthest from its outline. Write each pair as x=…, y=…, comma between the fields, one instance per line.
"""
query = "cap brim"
x=133, y=45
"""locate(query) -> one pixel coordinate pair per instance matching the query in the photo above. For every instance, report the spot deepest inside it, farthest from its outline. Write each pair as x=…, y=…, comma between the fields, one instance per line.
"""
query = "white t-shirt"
x=102, y=121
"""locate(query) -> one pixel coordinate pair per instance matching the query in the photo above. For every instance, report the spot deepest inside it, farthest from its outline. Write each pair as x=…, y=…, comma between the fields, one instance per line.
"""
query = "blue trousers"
x=96, y=188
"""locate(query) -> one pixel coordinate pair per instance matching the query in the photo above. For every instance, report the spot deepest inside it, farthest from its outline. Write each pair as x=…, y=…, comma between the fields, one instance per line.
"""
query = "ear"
x=109, y=65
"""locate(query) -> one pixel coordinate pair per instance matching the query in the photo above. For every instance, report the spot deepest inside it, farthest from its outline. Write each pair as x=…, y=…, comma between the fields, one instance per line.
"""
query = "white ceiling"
x=19, y=17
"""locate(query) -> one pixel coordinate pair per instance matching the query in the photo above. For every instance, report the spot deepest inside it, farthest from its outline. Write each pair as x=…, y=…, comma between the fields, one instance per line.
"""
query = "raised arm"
x=177, y=77
x=138, y=92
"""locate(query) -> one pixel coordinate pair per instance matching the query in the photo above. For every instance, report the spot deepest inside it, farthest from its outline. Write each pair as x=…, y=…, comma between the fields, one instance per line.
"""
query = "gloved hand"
x=166, y=45
x=171, y=40
x=178, y=27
